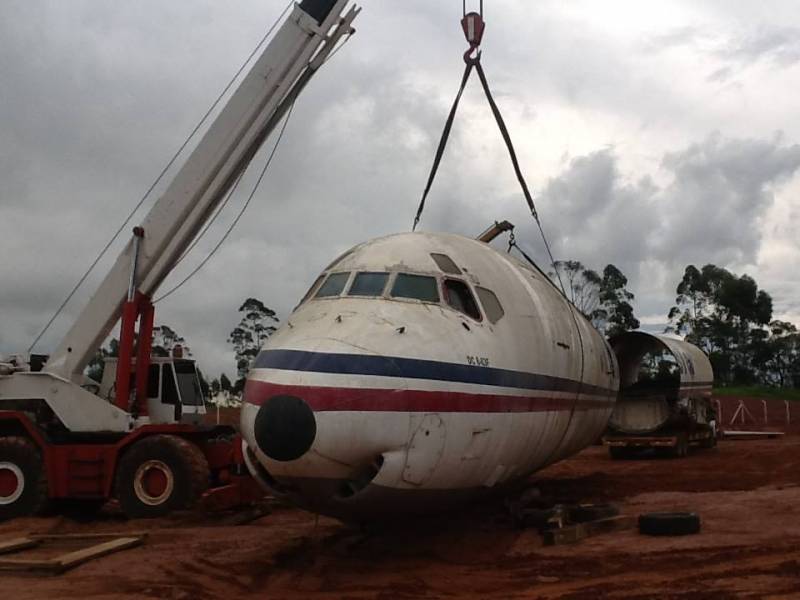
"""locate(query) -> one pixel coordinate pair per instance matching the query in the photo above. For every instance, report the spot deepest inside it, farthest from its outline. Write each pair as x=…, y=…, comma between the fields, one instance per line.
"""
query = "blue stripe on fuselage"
x=414, y=368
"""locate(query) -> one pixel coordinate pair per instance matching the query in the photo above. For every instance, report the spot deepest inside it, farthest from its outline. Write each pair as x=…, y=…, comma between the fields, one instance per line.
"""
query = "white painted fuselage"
x=406, y=381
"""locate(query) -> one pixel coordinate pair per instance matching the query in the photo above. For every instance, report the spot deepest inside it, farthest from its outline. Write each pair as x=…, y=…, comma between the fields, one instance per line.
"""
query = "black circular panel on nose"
x=285, y=427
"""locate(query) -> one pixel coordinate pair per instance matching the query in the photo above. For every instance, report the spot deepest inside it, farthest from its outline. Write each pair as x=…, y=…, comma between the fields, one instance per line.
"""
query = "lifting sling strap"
x=473, y=26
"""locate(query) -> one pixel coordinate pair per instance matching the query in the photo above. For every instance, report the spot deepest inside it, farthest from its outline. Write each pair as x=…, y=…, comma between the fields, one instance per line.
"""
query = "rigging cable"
x=159, y=178
x=473, y=26
x=241, y=212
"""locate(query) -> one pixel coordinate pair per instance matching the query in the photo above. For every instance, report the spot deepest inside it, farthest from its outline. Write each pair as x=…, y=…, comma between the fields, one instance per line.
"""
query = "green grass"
x=758, y=391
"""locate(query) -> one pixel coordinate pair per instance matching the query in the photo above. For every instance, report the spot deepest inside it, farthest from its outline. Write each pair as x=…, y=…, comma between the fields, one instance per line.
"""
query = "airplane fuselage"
x=421, y=369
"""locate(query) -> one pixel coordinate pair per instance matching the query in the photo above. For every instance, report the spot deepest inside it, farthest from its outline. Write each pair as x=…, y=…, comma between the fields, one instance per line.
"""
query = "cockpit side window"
x=312, y=289
x=491, y=304
x=333, y=285
x=368, y=283
x=458, y=296
x=417, y=287
x=445, y=263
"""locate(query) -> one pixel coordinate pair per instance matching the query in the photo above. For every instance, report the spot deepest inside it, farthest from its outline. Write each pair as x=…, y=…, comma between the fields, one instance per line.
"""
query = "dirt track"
x=747, y=493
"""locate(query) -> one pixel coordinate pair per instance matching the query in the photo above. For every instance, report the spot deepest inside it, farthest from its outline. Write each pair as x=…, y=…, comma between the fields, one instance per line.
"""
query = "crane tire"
x=669, y=523
x=159, y=474
x=23, y=481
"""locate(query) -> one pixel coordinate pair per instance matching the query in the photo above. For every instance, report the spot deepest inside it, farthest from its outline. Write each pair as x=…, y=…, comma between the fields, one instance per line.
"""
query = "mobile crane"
x=137, y=436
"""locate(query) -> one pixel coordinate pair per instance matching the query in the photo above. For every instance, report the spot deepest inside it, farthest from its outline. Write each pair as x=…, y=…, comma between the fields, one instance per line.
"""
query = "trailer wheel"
x=159, y=474
x=23, y=482
x=709, y=442
x=669, y=523
x=619, y=452
x=681, y=448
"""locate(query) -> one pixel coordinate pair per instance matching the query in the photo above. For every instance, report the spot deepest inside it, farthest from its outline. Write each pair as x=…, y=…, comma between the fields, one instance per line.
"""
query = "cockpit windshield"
x=447, y=291
x=333, y=285
x=368, y=283
x=416, y=287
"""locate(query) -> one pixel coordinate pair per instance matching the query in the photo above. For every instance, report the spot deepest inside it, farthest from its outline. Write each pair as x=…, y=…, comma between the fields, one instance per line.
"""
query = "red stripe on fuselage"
x=346, y=399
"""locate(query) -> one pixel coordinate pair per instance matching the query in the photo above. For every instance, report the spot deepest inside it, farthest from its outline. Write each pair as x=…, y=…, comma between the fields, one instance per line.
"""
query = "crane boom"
x=294, y=54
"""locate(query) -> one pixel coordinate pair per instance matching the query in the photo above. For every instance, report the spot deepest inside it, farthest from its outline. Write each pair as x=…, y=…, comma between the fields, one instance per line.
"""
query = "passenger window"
x=418, y=287
x=446, y=264
x=491, y=305
x=368, y=284
x=458, y=296
x=333, y=285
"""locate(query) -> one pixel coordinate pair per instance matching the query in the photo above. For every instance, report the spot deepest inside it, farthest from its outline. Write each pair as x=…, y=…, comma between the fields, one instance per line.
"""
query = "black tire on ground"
x=582, y=513
x=159, y=474
x=23, y=481
x=669, y=523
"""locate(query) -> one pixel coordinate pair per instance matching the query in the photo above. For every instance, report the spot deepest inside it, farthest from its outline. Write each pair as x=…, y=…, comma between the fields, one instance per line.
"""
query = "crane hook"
x=473, y=25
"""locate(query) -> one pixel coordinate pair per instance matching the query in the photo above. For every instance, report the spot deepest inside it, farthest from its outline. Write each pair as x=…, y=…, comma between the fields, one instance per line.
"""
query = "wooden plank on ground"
x=86, y=536
x=21, y=543
x=21, y=564
x=610, y=524
x=66, y=561
x=564, y=535
x=73, y=559
x=575, y=533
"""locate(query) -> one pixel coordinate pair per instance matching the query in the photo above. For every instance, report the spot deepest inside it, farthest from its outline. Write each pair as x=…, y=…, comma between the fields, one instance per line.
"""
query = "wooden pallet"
x=105, y=543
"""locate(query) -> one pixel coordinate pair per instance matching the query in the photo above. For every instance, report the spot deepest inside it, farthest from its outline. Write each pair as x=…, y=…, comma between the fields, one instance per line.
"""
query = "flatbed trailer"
x=673, y=443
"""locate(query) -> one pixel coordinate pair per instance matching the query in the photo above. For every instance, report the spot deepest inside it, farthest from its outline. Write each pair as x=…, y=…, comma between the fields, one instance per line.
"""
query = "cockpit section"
x=447, y=288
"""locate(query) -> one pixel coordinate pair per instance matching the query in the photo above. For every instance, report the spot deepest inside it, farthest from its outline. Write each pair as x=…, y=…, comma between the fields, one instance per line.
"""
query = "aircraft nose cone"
x=285, y=427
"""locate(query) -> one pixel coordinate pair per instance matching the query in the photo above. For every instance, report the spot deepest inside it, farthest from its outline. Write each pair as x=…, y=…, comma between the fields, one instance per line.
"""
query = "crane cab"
x=174, y=394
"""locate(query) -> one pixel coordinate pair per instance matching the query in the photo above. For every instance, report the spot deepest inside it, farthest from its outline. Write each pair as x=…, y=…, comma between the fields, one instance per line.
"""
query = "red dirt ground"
x=747, y=493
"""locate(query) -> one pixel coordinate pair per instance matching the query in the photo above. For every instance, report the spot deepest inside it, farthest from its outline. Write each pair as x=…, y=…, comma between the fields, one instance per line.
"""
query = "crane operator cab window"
x=458, y=296
x=181, y=396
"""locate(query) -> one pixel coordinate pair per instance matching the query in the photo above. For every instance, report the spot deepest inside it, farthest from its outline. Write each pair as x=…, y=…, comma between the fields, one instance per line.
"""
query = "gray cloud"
x=711, y=211
x=777, y=44
x=719, y=196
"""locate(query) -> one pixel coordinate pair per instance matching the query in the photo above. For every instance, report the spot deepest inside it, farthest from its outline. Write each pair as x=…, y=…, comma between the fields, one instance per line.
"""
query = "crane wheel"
x=159, y=474
x=23, y=481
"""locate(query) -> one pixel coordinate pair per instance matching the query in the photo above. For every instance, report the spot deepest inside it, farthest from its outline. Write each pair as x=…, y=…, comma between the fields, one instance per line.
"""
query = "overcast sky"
x=653, y=135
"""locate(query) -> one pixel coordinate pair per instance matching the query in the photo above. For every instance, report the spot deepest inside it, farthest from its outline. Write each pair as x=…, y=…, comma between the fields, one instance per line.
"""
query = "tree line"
x=730, y=318
x=725, y=315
